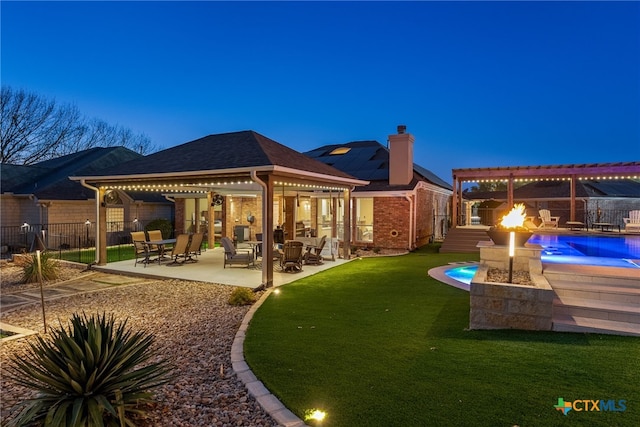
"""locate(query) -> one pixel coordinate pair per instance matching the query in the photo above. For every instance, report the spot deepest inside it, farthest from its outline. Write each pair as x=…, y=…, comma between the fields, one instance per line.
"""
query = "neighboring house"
x=604, y=200
x=404, y=205
x=41, y=197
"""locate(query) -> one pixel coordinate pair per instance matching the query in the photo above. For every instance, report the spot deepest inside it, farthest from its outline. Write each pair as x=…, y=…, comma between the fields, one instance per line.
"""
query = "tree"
x=34, y=129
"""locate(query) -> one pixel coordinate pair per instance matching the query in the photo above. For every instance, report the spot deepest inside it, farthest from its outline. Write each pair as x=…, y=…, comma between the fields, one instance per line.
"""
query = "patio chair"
x=180, y=249
x=232, y=256
x=141, y=249
x=548, y=221
x=259, y=246
x=314, y=253
x=194, y=247
x=291, y=257
x=632, y=224
x=154, y=235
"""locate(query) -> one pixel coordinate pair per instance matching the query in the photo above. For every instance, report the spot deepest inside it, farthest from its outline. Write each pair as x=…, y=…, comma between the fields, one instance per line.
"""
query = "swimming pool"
x=614, y=251
x=611, y=251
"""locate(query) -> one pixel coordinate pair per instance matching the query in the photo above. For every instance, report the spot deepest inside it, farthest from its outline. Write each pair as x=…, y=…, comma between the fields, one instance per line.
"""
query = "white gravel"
x=194, y=327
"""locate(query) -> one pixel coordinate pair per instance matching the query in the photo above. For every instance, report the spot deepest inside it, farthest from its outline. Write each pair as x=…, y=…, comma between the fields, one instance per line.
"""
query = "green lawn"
x=377, y=342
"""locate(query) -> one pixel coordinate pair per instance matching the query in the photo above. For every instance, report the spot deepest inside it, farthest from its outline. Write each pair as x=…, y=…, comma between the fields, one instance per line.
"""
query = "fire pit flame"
x=515, y=218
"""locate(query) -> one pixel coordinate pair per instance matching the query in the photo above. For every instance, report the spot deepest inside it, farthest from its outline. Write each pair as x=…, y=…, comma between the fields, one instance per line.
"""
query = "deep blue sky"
x=478, y=84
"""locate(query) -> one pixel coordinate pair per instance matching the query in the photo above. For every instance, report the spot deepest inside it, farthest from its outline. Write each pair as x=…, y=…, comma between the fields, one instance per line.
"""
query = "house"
x=40, y=200
x=404, y=205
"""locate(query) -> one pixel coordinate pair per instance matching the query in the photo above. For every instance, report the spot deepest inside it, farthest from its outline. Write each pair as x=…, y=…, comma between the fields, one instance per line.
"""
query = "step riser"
x=561, y=327
x=628, y=282
x=594, y=313
x=628, y=299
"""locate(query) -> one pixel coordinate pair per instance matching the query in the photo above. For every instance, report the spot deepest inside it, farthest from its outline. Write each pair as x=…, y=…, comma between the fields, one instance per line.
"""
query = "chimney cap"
x=402, y=129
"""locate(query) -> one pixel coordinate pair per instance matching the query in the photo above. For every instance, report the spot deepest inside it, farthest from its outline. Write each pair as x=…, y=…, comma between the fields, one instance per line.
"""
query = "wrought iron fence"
x=70, y=241
x=589, y=217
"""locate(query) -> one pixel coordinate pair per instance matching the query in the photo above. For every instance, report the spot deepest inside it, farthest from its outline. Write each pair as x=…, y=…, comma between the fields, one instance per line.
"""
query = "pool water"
x=614, y=251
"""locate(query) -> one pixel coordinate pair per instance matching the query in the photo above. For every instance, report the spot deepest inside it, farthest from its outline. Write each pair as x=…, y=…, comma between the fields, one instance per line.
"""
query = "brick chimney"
x=401, y=157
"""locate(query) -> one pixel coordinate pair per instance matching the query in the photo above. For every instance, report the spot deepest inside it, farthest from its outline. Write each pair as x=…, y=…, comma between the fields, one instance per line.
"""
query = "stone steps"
x=464, y=240
x=594, y=326
x=608, y=302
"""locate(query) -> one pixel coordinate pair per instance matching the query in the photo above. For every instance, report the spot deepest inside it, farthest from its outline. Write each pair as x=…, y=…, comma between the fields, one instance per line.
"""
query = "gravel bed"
x=193, y=325
x=502, y=276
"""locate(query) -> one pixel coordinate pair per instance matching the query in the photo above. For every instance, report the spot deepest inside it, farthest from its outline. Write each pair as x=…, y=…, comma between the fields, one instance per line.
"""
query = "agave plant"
x=48, y=267
x=95, y=373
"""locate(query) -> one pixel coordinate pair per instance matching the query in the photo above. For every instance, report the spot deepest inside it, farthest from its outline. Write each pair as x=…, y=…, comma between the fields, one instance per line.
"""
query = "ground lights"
x=316, y=415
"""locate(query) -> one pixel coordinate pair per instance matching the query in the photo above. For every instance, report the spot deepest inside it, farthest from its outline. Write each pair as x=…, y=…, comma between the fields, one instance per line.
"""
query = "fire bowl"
x=501, y=236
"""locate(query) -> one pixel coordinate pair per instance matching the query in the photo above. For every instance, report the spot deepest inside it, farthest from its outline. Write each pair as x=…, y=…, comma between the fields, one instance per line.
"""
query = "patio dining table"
x=161, y=244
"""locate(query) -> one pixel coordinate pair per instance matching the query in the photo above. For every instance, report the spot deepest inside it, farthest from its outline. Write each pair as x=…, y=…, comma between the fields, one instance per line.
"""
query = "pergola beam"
x=623, y=170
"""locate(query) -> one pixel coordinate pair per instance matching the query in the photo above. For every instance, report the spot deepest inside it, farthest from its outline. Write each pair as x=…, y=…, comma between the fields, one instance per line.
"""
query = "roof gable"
x=235, y=150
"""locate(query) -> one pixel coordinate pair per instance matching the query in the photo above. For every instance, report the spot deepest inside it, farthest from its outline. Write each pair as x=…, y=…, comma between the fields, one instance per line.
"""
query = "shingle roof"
x=234, y=150
x=49, y=180
x=369, y=160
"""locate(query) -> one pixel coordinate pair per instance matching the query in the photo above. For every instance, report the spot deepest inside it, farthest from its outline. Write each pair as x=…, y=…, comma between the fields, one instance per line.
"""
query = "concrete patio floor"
x=209, y=268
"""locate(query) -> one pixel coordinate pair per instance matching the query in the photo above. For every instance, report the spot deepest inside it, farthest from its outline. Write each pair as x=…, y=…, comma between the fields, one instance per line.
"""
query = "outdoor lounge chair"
x=291, y=257
x=232, y=256
x=548, y=221
x=632, y=224
x=314, y=253
x=180, y=249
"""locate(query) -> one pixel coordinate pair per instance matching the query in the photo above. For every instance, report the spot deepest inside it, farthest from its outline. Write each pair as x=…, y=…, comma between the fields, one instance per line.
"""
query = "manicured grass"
x=377, y=342
x=114, y=254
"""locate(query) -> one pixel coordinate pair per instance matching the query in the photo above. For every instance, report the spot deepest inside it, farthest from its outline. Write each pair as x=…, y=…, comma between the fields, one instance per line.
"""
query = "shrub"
x=48, y=267
x=164, y=225
x=242, y=296
x=92, y=374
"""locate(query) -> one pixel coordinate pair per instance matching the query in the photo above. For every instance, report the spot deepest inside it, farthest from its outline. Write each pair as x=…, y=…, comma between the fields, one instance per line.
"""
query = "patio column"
x=211, y=238
x=510, y=191
x=101, y=231
x=347, y=225
x=267, y=183
x=454, y=205
x=572, y=191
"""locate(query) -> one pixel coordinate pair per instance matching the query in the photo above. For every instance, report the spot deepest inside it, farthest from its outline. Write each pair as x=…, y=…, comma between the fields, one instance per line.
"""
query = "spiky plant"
x=95, y=373
x=48, y=267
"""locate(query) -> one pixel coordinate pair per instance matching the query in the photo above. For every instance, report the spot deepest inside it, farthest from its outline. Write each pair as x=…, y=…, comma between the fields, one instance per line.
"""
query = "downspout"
x=412, y=218
x=97, y=191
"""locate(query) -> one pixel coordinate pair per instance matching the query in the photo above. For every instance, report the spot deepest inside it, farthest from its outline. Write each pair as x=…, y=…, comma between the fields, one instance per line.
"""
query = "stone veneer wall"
x=510, y=306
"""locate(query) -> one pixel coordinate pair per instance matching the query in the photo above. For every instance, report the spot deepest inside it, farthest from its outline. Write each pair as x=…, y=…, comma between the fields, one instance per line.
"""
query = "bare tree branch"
x=33, y=129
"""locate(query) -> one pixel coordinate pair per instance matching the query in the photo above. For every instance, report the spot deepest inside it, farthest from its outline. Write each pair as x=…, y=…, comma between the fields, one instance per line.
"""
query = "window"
x=115, y=219
x=340, y=150
x=364, y=219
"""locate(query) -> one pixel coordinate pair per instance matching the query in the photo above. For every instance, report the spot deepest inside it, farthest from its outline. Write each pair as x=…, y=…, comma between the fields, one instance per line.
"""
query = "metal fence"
x=71, y=241
x=615, y=217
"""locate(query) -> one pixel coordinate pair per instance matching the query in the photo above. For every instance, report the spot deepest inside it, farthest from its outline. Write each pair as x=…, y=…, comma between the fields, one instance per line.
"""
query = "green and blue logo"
x=588, y=405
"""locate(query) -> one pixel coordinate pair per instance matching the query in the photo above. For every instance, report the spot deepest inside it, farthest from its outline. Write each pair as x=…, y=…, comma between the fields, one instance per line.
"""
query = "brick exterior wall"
x=391, y=222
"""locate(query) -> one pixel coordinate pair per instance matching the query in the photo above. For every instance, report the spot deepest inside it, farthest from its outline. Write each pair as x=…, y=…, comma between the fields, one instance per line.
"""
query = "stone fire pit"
x=496, y=305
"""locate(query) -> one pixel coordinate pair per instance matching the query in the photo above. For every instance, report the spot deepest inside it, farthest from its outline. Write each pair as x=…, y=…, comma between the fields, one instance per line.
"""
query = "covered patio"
x=209, y=268
x=227, y=165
